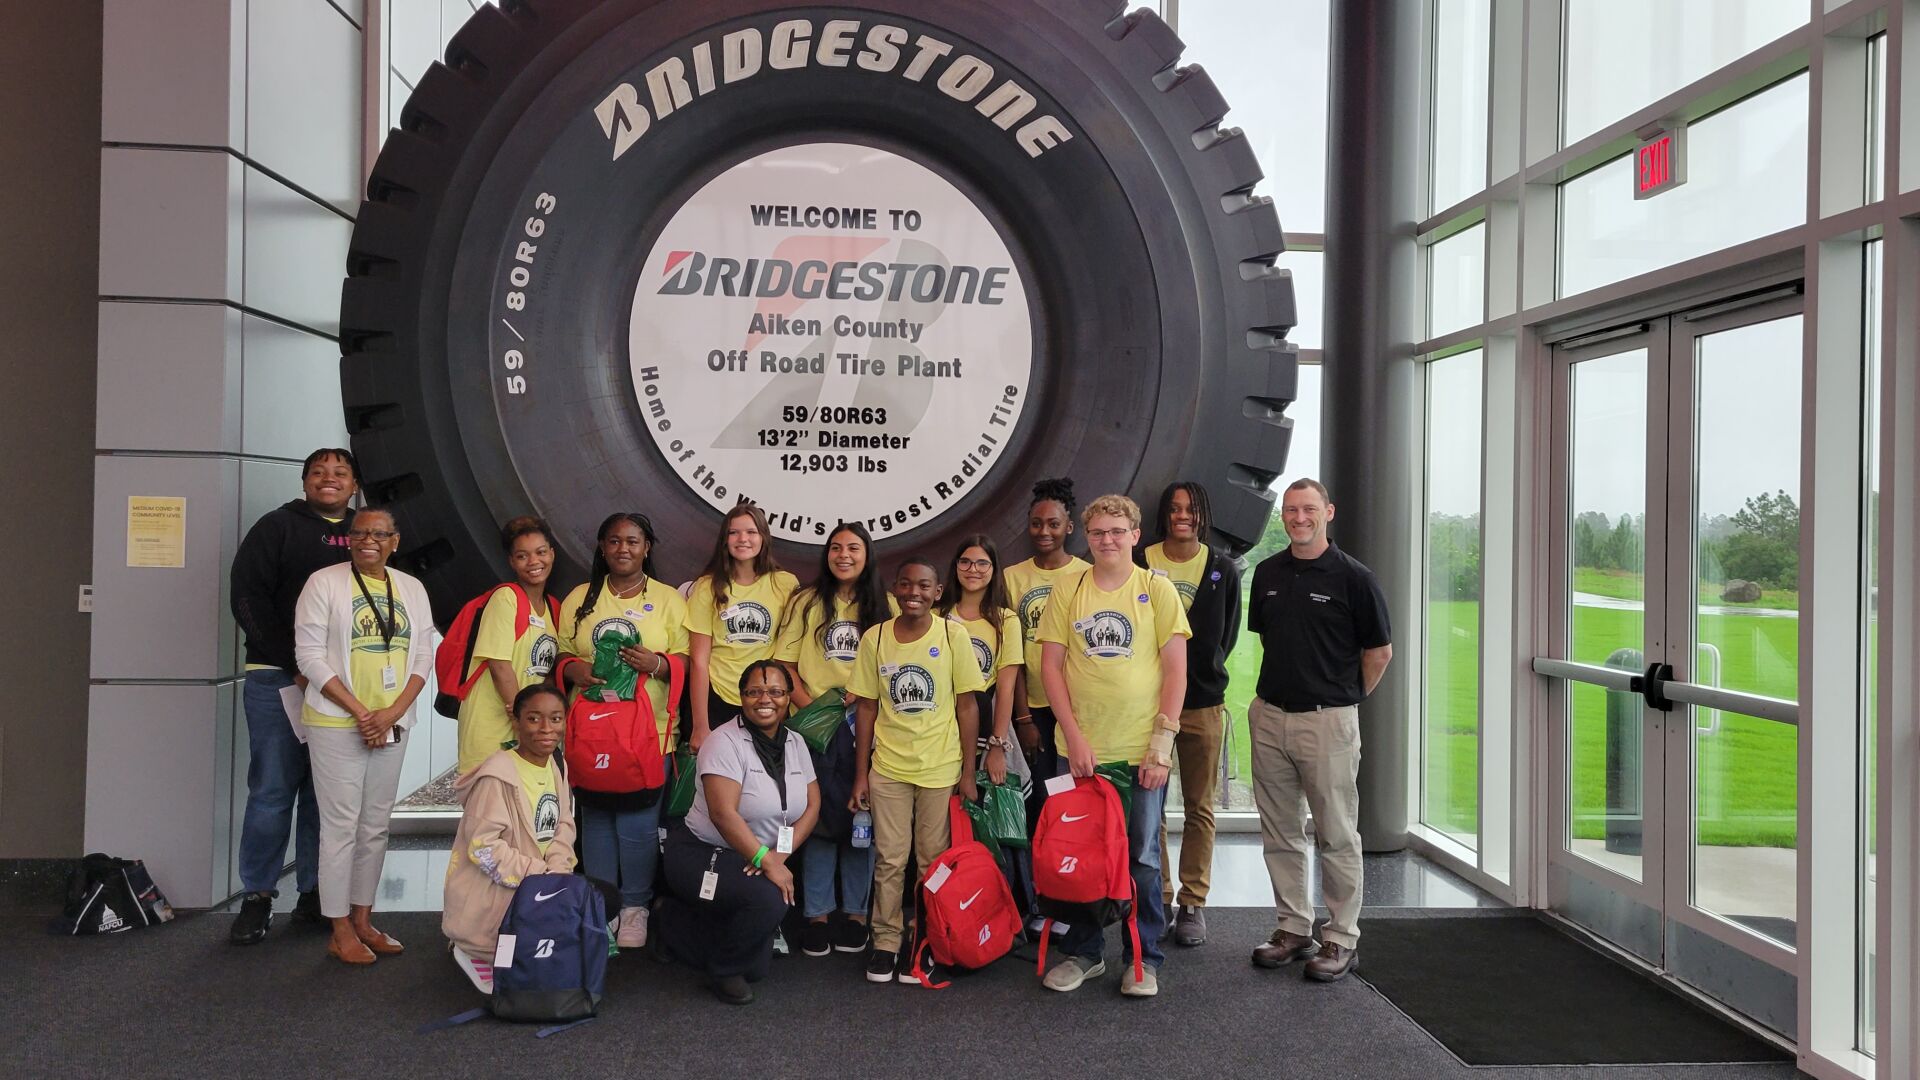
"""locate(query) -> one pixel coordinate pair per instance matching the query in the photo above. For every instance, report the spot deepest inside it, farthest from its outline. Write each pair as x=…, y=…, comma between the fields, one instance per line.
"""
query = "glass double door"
x=1671, y=668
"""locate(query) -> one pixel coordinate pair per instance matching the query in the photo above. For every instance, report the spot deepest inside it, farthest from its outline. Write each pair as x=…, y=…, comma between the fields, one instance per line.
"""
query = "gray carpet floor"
x=178, y=1001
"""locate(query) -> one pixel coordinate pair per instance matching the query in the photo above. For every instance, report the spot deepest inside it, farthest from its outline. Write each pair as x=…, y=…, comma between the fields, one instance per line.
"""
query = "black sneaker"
x=732, y=989
x=881, y=964
x=307, y=908
x=256, y=916
x=816, y=940
x=907, y=977
x=850, y=936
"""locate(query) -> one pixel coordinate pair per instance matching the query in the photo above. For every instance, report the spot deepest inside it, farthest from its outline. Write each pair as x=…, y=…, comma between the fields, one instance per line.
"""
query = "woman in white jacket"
x=361, y=635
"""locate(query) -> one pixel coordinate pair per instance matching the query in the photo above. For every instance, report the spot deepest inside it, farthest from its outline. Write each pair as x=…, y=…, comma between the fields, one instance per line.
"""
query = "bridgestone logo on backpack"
x=722, y=61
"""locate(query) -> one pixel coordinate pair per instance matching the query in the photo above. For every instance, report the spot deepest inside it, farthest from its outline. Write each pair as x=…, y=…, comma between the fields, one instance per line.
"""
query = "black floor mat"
x=1517, y=991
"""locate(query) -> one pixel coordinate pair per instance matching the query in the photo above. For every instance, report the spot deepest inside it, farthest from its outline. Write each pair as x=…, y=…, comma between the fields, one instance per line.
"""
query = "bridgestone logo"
x=722, y=61
x=692, y=272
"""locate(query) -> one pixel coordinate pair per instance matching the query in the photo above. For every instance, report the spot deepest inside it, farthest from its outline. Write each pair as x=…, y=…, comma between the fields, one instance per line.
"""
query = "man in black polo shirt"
x=1324, y=639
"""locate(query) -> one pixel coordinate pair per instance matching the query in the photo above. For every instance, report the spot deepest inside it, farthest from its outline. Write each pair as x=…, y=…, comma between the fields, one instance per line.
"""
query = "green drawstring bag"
x=619, y=682
x=1120, y=775
x=1000, y=815
x=680, y=787
x=818, y=722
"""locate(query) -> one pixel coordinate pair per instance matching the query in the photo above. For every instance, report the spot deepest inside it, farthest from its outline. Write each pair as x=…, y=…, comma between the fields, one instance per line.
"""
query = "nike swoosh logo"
x=1065, y=818
x=969, y=900
x=539, y=896
x=600, y=715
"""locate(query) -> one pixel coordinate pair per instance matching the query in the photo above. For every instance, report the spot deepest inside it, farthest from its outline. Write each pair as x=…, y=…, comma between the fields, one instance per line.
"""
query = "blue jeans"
x=1143, y=844
x=622, y=847
x=278, y=779
x=855, y=871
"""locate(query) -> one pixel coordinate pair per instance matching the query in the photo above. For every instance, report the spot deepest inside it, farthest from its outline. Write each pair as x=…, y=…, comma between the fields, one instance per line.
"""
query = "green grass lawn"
x=1745, y=770
x=1625, y=585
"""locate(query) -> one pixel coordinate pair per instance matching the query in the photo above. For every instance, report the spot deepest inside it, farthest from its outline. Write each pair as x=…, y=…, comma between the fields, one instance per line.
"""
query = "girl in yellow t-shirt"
x=736, y=605
x=513, y=661
x=975, y=595
x=819, y=638
x=619, y=830
x=1049, y=523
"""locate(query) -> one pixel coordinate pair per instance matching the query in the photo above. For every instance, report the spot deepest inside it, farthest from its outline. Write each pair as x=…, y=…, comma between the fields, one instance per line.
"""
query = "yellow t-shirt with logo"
x=1113, y=641
x=658, y=614
x=916, y=733
x=825, y=658
x=484, y=724
x=1029, y=586
x=538, y=785
x=1184, y=575
x=371, y=657
x=1011, y=651
x=742, y=632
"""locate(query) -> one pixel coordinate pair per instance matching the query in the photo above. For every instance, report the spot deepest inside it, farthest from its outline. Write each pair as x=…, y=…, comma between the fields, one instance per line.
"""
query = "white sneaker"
x=632, y=933
x=478, y=972
x=1147, y=986
x=1068, y=974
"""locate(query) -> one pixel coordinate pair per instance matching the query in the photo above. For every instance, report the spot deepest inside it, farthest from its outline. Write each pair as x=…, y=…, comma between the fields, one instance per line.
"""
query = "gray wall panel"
x=150, y=770
x=303, y=119
x=170, y=224
x=166, y=377
x=290, y=395
x=164, y=623
x=172, y=72
x=296, y=254
x=413, y=33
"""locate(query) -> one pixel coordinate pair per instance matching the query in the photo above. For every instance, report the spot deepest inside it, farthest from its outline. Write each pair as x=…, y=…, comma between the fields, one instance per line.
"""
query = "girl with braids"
x=619, y=831
x=819, y=636
x=1049, y=523
x=736, y=605
x=512, y=662
x=1208, y=582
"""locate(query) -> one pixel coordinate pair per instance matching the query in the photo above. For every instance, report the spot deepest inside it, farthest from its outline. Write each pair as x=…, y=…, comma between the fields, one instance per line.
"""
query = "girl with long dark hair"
x=736, y=606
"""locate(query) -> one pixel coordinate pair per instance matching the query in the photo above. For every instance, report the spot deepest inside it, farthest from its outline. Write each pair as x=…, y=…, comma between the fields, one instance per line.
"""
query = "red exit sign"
x=1660, y=162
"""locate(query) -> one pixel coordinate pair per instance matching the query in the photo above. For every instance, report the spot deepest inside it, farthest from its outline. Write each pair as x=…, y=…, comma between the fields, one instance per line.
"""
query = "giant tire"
x=1159, y=319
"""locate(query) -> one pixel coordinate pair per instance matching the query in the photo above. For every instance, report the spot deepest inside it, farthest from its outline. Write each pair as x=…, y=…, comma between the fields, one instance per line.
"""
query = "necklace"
x=633, y=592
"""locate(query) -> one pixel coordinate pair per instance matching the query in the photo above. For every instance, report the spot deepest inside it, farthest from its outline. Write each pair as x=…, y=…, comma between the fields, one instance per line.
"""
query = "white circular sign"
x=834, y=332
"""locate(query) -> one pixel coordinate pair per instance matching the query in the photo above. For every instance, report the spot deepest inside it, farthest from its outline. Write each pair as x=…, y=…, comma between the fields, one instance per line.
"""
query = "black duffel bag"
x=106, y=895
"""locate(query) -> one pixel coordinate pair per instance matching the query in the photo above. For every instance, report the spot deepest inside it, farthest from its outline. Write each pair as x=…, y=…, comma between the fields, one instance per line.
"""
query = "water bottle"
x=862, y=828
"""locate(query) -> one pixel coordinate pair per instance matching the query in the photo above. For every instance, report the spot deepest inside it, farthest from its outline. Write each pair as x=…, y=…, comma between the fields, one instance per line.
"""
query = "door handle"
x=1652, y=686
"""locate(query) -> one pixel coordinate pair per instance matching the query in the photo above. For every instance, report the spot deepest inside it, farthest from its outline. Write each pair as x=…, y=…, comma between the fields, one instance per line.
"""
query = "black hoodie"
x=280, y=552
x=1215, y=621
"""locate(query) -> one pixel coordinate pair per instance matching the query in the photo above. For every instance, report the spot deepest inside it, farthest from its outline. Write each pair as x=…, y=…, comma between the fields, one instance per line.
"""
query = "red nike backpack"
x=615, y=747
x=1081, y=862
x=455, y=654
x=969, y=915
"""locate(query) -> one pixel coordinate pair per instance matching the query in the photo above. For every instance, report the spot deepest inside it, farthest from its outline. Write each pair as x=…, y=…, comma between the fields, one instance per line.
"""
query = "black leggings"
x=731, y=934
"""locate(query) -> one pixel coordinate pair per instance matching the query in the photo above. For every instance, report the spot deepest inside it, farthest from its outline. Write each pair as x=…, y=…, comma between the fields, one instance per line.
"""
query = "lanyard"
x=386, y=625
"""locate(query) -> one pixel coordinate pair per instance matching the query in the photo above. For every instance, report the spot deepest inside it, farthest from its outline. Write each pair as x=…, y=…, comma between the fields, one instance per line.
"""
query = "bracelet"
x=761, y=854
x=1024, y=721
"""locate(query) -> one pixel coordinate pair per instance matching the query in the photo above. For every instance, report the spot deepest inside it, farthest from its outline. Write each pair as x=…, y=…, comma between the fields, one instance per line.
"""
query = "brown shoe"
x=361, y=955
x=381, y=944
x=1332, y=963
x=1283, y=948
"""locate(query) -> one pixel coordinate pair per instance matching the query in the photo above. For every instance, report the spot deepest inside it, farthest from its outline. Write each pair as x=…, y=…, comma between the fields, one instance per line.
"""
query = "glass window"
x=1462, y=40
x=1622, y=55
x=1308, y=271
x=1269, y=58
x=1876, y=115
x=1746, y=177
x=1869, y=647
x=1450, y=702
x=1457, y=282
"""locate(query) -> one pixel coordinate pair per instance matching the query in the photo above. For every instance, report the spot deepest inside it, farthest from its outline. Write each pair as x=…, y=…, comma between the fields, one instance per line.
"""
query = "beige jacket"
x=495, y=849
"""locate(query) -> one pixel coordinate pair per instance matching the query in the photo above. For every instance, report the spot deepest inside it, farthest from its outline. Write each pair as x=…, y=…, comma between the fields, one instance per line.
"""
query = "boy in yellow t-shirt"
x=913, y=681
x=1115, y=662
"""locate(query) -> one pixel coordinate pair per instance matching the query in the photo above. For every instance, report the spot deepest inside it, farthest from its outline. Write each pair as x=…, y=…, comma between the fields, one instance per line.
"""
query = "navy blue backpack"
x=551, y=964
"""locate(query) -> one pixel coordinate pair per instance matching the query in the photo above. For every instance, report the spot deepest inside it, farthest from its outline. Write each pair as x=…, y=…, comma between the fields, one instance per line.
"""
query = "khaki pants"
x=1196, y=750
x=905, y=817
x=1310, y=760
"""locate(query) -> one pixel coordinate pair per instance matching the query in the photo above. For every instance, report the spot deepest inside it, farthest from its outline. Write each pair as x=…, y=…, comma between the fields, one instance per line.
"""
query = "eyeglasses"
x=763, y=691
x=1108, y=534
x=370, y=534
x=974, y=564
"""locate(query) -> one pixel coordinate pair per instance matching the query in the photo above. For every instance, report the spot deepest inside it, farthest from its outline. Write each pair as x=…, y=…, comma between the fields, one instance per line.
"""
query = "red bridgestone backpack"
x=1081, y=862
x=615, y=747
x=455, y=654
x=968, y=911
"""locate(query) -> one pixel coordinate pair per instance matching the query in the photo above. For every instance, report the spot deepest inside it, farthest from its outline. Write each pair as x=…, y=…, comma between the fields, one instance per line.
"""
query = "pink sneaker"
x=632, y=931
x=479, y=972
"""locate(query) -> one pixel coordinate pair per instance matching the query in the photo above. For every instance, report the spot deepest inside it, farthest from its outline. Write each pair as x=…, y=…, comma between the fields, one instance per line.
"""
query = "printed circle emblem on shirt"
x=910, y=689
x=614, y=626
x=748, y=623
x=1032, y=606
x=546, y=817
x=983, y=653
x=366, y=630
x=1107, y=634
x=544, y=652
x=1186, y=590
x=842, y=640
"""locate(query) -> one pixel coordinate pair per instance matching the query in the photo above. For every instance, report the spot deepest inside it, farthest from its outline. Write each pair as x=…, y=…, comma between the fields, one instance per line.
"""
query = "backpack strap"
x=1046, y=931
x=958, y=823
x=455, y=1020
x=555, y=1029
x=676, y=683
x=479, y=604
x=924, y=972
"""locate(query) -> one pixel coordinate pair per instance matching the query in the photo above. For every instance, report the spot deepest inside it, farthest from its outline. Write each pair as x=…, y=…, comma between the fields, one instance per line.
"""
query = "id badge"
x=388, y=680
x=784, y=842
x=537, y=622
x=709, y=882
